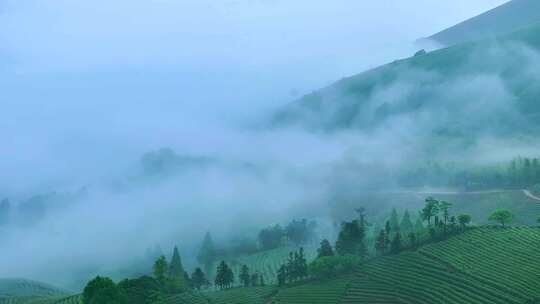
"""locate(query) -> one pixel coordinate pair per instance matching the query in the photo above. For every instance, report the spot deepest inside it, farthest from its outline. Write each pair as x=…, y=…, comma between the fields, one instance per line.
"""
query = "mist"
x=87, y=88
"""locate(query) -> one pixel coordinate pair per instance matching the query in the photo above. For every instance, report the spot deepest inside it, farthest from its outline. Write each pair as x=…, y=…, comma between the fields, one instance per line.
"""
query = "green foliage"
x=381, y=243
x=300, y=232
x=464, y=220
x=198, y=279
x=314, y=292
x=224, y=276
x=103, y=291
x=295, y=269
x=328, y=267
x=325, y=249
x=351, y=239
x=244, y=276
x=176, y=274
x=144, y=290
x=395, y=245
x=271, y=237
x=430, y=210
x=394, y=221
x=406, y=223
x=503, y=216
x=160, y=269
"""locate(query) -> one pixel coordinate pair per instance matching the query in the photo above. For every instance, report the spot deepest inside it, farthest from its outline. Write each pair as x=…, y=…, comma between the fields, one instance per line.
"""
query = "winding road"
x=530, y=195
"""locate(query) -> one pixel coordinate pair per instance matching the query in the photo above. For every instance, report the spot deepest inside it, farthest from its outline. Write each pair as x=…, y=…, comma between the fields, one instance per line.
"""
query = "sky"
x=87, y=87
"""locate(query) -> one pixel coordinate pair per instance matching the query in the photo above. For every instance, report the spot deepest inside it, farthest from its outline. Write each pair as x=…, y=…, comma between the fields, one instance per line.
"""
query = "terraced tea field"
x=481, y=266
x=484, y=265
x=252, y=295
x=328, y=292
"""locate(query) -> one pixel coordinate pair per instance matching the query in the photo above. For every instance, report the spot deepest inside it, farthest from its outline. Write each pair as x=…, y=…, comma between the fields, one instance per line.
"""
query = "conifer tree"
x=412, y=239
x=302, y=264
x=282, y=275
x=223, y=279
x=176, y=272
x=395, y=246
x=394, y=221
x=418, y=225
x=406, y=223
x=380, y=242
x=387, y=231
x=244, y=276
x=254, y=279
x=325, y=249
x=207, y=253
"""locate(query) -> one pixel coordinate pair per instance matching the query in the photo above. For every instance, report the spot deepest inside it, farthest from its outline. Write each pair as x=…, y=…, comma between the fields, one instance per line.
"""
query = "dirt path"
x=530, y=195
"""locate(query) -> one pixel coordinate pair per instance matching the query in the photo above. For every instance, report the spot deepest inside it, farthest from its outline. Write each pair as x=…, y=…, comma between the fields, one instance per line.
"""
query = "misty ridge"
x=433, y=120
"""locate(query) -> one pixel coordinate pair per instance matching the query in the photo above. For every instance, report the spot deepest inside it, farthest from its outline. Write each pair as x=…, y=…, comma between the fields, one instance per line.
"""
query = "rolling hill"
x=511, y=16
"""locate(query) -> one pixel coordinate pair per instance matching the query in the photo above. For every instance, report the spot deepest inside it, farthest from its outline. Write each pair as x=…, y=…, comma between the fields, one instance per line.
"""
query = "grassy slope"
x=503, y=19
x=484, y=265
x=350, y=101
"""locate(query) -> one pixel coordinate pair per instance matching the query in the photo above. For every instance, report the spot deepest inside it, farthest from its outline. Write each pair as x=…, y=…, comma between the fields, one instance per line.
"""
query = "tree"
x=431, y=209
x=254, y=279
x=503, y=216
x=418, y=225
x=406, y=223
x=198, y=279
x=271, y=237
x=387, y=231
x=102, y=290
x=177, y=274
x=282, y=275
x=380, y=243
x=412, y=239
x=445, y=208
x=464, y=220
x=160, y=269
x=395, y=245
x=350, y=239
x=300, y=231
x=394, y=221
x=325, y=249
x=301, y=264
x=207, y=253
x=538, y=220
x=244, y=276
x=223, y=279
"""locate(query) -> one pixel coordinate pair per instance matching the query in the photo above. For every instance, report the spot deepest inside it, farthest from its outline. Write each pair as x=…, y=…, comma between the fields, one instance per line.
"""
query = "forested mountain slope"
x=489, y=86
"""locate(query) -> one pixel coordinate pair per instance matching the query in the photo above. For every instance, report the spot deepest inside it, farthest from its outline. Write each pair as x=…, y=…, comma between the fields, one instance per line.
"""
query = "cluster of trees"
x=250, y=280
x=519, y=172
x=224, y=276
x=298, y=232
x=294, y=269
x=168, y=278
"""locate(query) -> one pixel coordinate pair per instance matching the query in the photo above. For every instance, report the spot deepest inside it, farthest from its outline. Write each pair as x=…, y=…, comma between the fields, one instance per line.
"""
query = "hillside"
x=506, y=18
x=484, y=265
x=430, y=94
x=10, y=288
